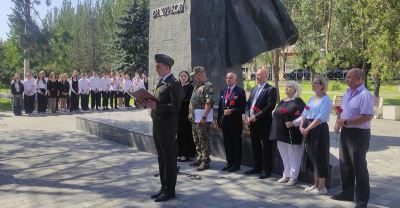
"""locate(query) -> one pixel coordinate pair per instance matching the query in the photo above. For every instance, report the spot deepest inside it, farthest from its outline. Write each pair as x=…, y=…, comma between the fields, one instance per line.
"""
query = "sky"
x=5, y=10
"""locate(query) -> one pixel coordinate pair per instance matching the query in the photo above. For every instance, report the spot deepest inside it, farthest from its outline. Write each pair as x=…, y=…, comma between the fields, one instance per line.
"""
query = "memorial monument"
x=220, y=35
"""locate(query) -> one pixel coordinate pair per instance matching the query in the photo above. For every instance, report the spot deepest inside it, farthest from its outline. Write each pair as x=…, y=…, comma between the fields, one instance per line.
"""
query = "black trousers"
x=106, y=96
x=74, y=98
x=42, y=103
x=185, y=140
x=29, y=103
x=127, y=98
x=84, y=102
x=318, y=149
x=95, y=99
x=164, y=135
x=233, y=144
x=113, y=99
x=262, y=147
x=354, y=145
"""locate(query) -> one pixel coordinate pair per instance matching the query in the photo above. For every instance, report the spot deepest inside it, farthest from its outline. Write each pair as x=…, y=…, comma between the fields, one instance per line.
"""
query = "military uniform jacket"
x=169, y=94
x=203, y=93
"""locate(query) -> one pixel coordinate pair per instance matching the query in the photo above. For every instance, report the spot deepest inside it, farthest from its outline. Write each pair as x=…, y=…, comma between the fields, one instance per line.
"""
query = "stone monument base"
x=134, y=129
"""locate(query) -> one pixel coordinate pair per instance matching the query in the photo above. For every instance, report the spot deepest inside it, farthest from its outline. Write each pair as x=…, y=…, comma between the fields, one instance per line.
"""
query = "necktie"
x=228, y=94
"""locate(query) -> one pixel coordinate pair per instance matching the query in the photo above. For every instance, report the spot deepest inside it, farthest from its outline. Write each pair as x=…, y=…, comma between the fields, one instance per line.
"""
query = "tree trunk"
x=364, y=63
x=377, y=86
x=276, y=71
x=329, y=26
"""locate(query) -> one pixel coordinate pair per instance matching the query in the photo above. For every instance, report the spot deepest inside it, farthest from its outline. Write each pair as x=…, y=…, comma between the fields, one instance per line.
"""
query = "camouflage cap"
x=197, y=69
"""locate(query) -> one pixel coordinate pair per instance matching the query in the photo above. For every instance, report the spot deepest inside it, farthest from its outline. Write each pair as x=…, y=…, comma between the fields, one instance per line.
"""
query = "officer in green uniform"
x=201, y=101
x=164, y=113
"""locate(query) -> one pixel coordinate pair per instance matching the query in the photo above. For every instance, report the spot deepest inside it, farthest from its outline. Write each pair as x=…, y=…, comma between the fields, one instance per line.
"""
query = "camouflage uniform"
x=202, y=94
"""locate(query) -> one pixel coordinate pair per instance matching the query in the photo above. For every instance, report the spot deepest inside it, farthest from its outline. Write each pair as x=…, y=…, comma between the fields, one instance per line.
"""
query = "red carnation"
x=338, y=109
x=232, y=103
x=297, y=113
x=256, y=109
x=283, y=110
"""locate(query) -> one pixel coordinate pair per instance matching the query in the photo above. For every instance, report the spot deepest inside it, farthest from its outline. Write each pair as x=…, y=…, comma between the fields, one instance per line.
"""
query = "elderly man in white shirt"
x=95, y=91
x=29, y=93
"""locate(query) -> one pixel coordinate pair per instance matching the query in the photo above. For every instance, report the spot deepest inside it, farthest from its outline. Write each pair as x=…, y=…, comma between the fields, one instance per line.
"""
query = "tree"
x=132, y=37
x=380, y=34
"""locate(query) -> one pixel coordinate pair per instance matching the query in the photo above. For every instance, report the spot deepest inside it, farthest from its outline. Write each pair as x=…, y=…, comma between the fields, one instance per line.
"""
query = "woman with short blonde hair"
x=314, y=127
x=285, y=130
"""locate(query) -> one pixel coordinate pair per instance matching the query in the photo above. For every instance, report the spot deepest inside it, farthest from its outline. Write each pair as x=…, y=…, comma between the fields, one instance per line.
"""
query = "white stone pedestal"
x=391, y=112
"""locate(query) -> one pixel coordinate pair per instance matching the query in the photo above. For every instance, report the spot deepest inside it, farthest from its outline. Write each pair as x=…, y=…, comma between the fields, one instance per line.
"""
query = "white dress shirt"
x=84, y=86
x=137, y=83
x=127, y=85
x=105, y=84
x=95, y=83
x=29, y=87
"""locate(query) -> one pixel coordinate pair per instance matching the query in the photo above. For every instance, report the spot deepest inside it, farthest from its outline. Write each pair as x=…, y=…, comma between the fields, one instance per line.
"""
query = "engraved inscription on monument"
x=169, y=10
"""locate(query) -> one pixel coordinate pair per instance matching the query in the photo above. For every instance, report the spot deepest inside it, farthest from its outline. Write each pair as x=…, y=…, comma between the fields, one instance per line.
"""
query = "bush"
x=335, y=85
x=249, y=84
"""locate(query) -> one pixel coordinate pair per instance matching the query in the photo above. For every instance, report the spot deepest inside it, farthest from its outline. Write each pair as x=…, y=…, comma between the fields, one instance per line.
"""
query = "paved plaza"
x=47, y=162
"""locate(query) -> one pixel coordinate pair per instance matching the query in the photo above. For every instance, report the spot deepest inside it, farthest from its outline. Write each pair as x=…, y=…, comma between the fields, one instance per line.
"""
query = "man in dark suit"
x=259, y=109
x=232, y=103
x=164, y=113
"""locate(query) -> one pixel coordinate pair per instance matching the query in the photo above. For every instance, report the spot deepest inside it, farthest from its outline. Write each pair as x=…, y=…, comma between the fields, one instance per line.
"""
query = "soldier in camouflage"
x=202, y=98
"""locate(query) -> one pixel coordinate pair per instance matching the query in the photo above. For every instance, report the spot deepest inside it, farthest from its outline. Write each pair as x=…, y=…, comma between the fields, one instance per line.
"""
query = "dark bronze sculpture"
x=256, y=26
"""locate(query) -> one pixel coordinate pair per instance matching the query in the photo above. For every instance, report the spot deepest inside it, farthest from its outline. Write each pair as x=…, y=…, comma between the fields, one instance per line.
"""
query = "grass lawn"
x=5, y=103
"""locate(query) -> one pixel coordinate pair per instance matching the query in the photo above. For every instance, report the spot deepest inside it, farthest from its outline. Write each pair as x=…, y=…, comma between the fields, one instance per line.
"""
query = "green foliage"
x=335, y=85
x=249, y=84
x=92, y=35
x=132, y=37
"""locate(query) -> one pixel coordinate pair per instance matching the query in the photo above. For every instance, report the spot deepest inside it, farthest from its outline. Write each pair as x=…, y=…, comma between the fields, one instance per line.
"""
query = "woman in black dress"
x=74, y=85
x=186, y=147
x=17, y=89
x=41, y=85
x=285, y=131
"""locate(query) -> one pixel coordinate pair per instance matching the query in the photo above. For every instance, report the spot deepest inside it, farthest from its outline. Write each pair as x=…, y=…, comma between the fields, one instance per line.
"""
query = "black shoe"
x=264, y=175
x=361, y=204
x=161, y=191
x=252, y=171
x=165, y=197
x=203, y=166
x=233, y=169
x=342, y=197
x=227, y=167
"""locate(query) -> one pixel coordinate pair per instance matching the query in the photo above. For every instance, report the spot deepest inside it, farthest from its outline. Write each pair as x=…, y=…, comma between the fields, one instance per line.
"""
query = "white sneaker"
x=283, y=180
x=291, y=182
x=310, y=188
x=318, y=192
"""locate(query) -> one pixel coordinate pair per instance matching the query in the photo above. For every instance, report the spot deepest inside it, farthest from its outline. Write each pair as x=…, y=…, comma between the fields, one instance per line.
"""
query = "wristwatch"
x=345, y=122
x=205, y=118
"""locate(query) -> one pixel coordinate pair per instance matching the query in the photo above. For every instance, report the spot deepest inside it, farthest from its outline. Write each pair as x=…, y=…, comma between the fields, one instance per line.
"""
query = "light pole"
x=27, y=43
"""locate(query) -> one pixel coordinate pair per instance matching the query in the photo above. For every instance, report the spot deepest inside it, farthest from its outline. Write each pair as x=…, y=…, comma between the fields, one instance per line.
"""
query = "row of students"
x=52, y=93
